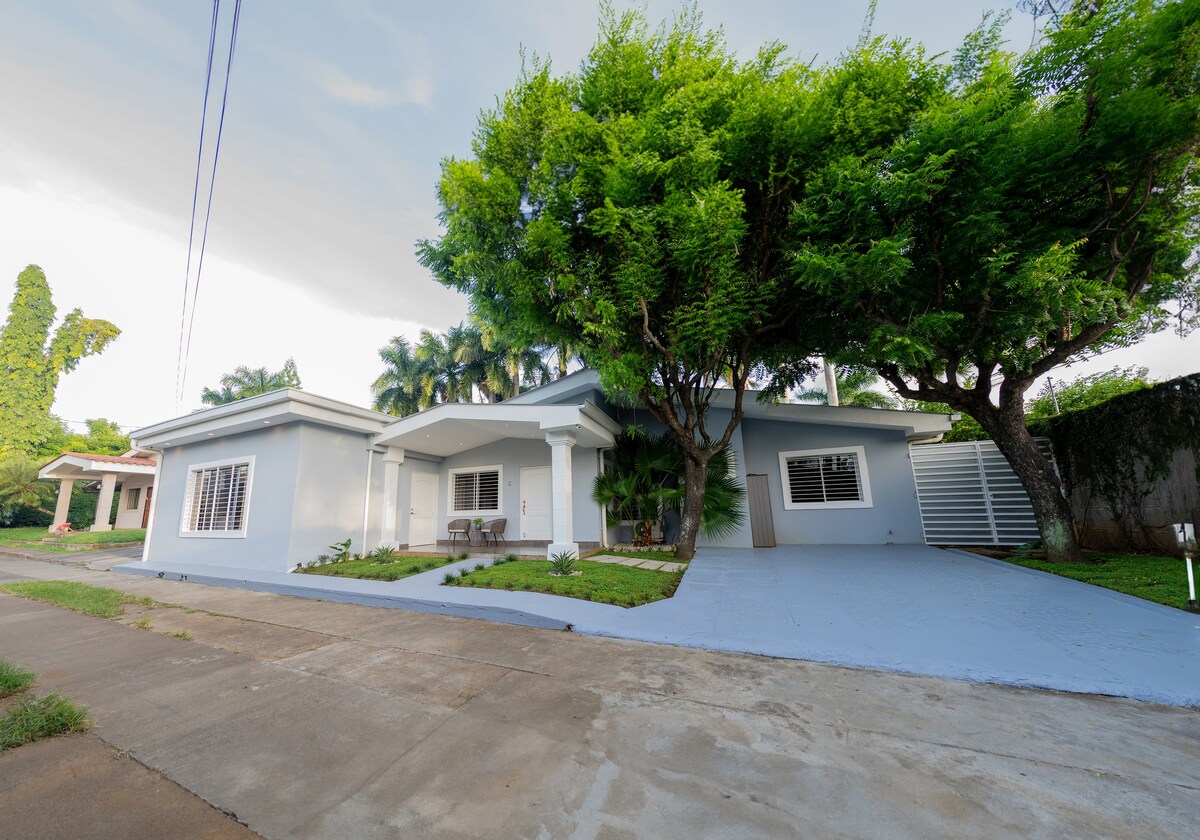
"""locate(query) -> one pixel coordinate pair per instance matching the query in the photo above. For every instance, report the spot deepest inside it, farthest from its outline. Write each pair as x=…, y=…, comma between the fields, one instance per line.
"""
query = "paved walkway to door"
x=922, y=610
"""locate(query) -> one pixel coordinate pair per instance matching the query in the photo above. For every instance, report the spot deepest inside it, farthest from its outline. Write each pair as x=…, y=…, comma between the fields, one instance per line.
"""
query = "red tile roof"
x=113, y=459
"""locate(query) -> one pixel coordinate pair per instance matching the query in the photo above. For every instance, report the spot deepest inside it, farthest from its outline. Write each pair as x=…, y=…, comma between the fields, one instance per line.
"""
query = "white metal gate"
x=969, y=495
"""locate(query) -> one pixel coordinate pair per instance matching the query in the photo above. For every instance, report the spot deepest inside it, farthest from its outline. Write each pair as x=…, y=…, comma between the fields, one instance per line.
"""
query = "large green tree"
x=1040, y=210
x=32, y=360
x=638, y=210
x=249, y=382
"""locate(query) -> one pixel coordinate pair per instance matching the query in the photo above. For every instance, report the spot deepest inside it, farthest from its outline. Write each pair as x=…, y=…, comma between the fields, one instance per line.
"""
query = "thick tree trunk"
x=695, y=474
x=1056, y=522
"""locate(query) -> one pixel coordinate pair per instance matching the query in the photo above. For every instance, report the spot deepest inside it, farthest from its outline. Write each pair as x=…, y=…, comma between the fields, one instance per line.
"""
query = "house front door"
x=146, y=507
x=535, y=503
x=423, y=509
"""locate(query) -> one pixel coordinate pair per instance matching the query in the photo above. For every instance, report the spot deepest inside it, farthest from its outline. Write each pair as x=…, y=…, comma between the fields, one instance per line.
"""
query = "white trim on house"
x=863, y=481
x=452, y=474
x=193, y=473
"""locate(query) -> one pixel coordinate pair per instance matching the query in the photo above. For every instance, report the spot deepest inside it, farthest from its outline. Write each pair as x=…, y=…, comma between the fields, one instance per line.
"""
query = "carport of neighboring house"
x=133, y=472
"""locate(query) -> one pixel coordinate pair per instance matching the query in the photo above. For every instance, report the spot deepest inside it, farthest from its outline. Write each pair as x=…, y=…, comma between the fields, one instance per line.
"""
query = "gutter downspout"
x=367, y=498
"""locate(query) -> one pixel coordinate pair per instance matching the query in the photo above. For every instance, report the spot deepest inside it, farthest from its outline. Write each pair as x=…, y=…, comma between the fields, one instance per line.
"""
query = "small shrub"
x=562, y=563
x=412, y=570
x=465, y=555
x=310, y=564
x=479, y=567
x=449, y=577
x=511, y=558
x=462, y=573
x=322, y=559
x=341, y=551
x=383, y=554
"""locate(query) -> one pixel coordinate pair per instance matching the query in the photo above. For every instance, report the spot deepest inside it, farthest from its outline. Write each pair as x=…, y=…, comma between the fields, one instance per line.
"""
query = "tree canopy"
x=249, y=382
x=32, y=360
x=1086, y=391
x=638, y=209
x=1038, y=210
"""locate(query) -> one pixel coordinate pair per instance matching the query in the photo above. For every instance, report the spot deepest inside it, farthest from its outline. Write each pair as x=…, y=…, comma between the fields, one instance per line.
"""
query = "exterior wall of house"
x=127, y=518
x=330, y=482
x=414, y=463
x=893, y=490
x=269, y=505
x=512, y=455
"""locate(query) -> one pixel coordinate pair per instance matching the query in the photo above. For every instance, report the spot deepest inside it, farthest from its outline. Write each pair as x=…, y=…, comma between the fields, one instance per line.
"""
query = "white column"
x=63, y=509
x=104, y=503
x=561, y=504
x=392, y=459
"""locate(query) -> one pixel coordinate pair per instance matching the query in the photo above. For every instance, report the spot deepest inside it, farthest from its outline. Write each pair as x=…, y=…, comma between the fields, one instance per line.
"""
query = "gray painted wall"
x=893, y=491
x=330, y=480
x=413, y=463
x=268, y=509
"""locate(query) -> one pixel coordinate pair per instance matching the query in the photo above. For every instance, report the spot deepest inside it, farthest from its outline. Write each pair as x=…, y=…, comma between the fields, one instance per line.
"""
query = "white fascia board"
x=547, y=418
x=75, y=467
x=283, y=406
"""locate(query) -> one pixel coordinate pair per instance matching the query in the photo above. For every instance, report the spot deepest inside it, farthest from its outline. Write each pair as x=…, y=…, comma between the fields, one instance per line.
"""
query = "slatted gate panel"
x=969, y=495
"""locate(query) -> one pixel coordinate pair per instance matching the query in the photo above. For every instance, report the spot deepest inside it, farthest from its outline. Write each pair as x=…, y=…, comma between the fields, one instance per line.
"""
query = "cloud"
x=414, y=91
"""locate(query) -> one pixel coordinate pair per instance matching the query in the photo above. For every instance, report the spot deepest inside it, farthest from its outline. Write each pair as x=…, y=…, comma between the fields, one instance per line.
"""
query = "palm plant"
x=21, y=487
x=854, y=387
x=248, y=382
x=644, y=480
x=396, y=390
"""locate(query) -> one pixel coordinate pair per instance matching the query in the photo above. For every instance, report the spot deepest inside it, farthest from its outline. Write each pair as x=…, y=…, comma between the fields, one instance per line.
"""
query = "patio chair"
x=459, y=527
x=494, y=529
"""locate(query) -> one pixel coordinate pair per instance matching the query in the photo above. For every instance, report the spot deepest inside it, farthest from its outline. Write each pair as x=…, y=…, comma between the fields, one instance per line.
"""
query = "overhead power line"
x=190, y=312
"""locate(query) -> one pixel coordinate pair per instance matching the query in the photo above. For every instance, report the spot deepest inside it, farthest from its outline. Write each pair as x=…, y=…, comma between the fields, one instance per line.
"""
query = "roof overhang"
x=275, y=408
x=916, y=425
x=456, y=427
x=72, y=466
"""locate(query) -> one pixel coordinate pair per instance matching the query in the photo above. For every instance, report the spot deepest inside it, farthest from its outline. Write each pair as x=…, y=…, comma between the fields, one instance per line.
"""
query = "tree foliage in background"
x=1086, y=391
x=855, y=387
x=249, y=382
x=638, y=210
x=32, y=360
x=466, y=360
x=20, y=487
x=1037, y=212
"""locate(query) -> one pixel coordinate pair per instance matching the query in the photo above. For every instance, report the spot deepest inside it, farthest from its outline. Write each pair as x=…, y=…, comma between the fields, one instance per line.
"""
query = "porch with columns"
x=107, y=470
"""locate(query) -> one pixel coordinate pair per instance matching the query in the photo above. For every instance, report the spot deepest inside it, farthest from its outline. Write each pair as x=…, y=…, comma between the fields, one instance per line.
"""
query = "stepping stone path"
x=641, y=563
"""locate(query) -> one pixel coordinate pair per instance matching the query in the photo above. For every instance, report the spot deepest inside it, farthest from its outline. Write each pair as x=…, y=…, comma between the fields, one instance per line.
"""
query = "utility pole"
x=1053, y=395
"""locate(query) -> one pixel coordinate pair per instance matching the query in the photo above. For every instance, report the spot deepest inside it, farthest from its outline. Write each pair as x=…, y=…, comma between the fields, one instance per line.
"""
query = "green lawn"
x=81, y=597
x=607, y=583
x=128, y=535
x=367, y=569
x=32, y=538
x=664, y=556
x=1155, y=578
x=13, y=678
x=30, y=717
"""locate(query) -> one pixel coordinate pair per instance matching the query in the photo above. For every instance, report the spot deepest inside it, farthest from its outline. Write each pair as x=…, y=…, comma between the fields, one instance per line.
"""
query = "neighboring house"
x=270, y=481
x=131, y=473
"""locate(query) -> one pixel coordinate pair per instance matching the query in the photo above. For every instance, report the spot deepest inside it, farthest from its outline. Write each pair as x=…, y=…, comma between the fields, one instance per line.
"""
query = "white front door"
x=535, y=503
x=423, y=509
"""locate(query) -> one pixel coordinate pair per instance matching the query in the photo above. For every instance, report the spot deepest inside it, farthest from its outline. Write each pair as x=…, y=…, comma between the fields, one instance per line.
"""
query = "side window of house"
x=475, y=491
x=825, y=478
x=217, y=496
x=133, y=498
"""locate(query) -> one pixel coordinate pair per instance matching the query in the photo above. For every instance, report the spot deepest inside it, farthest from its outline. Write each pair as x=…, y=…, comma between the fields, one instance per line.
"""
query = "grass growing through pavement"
x=1155, y=578
x=81, y=597
x=40, y=717
x=606, y=583
x=13, y=679
x=367, y=569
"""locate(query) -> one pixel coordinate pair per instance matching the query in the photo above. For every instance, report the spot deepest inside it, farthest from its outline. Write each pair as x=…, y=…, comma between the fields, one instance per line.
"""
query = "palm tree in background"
x=854, y=386
x=249, y=382
x=396, y=390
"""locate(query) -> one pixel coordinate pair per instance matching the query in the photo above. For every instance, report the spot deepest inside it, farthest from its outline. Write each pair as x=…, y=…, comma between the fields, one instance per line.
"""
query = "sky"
x=337, y=117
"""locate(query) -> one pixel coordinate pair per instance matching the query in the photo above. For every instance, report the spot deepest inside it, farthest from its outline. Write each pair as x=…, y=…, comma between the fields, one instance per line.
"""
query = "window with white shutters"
x=216, y=499
x=475, y=491
x=825, y=478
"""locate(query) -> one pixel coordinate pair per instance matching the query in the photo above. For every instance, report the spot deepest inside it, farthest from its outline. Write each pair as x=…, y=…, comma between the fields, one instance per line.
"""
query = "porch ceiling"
x=457, y=427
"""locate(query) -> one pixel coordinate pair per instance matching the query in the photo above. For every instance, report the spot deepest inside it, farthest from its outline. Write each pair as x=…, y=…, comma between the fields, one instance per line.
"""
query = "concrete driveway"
x=908, y=608
x=922, y=610
x=310, y=719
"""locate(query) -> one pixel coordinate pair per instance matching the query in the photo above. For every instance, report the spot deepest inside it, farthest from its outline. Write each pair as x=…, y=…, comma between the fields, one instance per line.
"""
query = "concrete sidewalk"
x=905, y=608
x=348, y=721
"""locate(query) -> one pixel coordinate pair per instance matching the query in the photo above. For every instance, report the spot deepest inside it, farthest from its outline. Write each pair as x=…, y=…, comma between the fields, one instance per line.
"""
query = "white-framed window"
x=217, y=498
x=133, y=498
x=825, y=478
x=475, y=491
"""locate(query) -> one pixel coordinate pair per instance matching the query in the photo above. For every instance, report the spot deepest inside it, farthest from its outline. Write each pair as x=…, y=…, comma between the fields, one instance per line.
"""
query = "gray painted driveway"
x=906, y=608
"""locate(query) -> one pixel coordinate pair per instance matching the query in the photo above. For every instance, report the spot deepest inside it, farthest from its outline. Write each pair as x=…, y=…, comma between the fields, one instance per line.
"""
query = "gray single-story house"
x=271, y=481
